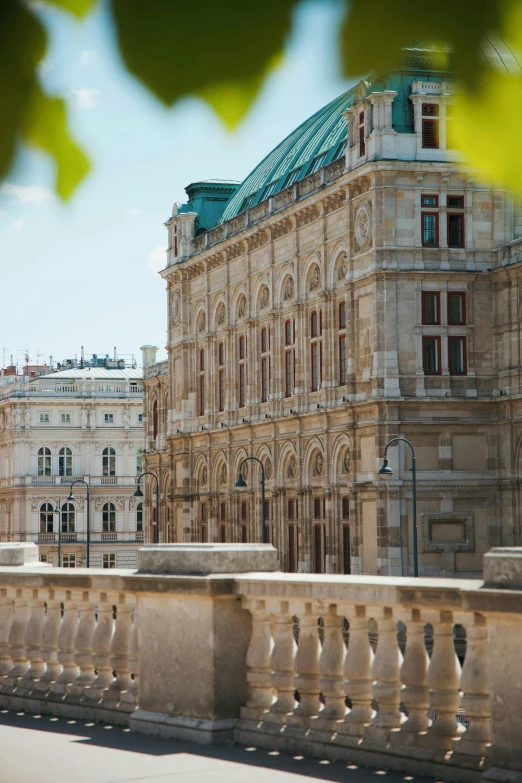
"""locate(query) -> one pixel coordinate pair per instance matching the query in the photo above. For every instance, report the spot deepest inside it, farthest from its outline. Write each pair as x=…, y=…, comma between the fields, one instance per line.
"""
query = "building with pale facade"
x=79, y=423
x=359, y=285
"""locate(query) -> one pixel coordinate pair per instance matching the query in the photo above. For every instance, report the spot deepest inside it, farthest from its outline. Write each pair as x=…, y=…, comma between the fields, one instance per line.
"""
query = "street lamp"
x=71, y=499
x=241, y=484
x=139, y=494
x=387, y=471
x=58, y=510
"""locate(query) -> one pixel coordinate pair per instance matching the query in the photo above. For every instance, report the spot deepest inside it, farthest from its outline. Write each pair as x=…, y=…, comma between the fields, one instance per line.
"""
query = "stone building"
x=78, y=423
x=359, y=285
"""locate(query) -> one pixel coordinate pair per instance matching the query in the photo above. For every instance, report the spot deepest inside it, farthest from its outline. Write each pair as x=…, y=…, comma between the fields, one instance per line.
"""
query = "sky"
x=85, y=273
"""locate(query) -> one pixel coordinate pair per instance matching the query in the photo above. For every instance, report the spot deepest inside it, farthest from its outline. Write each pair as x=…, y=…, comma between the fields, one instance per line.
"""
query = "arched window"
x=65, y=461
x=68, y=518
x=109, y=517
x=109, y=461
x=139, y=517
x=139, y=461
x=155, y=419
x=46, y=518
x=44, y=461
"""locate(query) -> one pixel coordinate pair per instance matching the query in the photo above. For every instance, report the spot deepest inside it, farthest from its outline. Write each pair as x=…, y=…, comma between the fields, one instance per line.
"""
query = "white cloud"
x=18, y=224
x=157, y=259
x=87, y=57
x=86, y=98
x=26, y=194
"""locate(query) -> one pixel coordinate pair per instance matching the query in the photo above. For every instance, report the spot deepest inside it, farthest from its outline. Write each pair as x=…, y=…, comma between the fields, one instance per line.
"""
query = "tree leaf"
x=221, y=50
x=45, y=127
x=78, y=8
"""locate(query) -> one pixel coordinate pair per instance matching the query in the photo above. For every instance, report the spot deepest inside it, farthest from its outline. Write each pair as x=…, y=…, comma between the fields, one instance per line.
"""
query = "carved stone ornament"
x=223, y=474
x=176, y=308
x=120, y=501
x=342, y=269
x=202, y=322
x=268, y=468
x=314, y=278
x=244, y=471
x=318, y=464
x=291, y=469
x=346, y=462
x=241, y=310
x=265, y=298
x=363, y=224
x=204, y=476
x=288, y=292
x=221, y=315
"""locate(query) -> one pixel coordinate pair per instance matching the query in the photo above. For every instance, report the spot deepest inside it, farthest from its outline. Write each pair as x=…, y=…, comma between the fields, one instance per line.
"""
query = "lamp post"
x=139, y=494
x=241, y=484
x=387, y=471
x=58, y=510
x=71, y=499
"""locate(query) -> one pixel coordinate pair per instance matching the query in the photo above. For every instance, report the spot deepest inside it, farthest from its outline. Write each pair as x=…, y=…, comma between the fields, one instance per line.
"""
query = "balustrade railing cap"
x=503, y=567
x=19, y=554
x=205, y=559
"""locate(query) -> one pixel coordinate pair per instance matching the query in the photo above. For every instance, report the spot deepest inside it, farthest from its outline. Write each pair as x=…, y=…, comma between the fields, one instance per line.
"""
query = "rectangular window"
x=362, y=140
x=244, y=511
x=314, y=321
x=457, y=355
x=69, y=561
x=221, y=390
x=315, y=366
x=455, y=230
x=242, y=347
x=291, y=509
x=456, y=308
x=242, y=385
x=289, y=373
x=203, y=534
x=201, y=395
x=456, y=202
x=109, y=561
x=204, y=516
x=44, y=418
x=140, y=418
x=430, y=229
x=430, y=126
x=201, y=360
x=342, y=315
x=431, y=355
x=222, y=512
x=66, y=418
x=222, y=534
x=318, y=508
x=430, y=307
x=264, y=341
x=319, y=549
x=345, y=507
x=221, y=354
x=268, y=509
x=292, y=548
x=342, y=359
x=109, y=418
x=347, y=569
x=244, y=534
x=288, y=333
x=264, y=379
x=429, y=200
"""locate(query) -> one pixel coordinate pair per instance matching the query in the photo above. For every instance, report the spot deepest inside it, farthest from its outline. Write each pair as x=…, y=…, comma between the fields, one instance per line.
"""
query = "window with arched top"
x=46, y=518
x=139, y=517
x=44, y=461
x=109, y=461
x=139, y=460
x=68, y=515
x=65, y=461
x=155, y=419
x=109, y=517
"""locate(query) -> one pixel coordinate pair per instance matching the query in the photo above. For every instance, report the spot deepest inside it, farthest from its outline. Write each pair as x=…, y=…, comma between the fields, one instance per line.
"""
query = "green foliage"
x=222, y=51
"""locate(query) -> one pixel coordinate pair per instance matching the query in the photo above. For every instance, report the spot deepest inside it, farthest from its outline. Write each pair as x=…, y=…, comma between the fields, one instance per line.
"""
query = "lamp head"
x=71, y=498
x=138, y=493
x=385, y=470
x=241, y=483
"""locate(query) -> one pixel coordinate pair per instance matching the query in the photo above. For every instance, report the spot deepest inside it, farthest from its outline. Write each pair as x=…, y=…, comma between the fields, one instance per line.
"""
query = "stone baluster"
x=17, y=641
x=307, y=669
x=282, y=663
x=50, y=631
x=358, y=676
x=130, y=696
x=475, y=686
x=259, y=667
x=6, y=619
x=101, y=645
x=331, y=673
x=83, y=642
x=66, y=637
x=386, y=670
x=33, y=643
x=443, y=682
x=120, y=649
x=414, y=675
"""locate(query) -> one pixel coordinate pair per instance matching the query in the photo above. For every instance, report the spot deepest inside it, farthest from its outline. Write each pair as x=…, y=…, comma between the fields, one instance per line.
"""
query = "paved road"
x=39, y=749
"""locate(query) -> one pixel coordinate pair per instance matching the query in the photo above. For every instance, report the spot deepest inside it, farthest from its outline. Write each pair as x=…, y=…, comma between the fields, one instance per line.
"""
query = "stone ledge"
x=503, y=568
x=205, y=732
x=20, y=554
x=205, y=559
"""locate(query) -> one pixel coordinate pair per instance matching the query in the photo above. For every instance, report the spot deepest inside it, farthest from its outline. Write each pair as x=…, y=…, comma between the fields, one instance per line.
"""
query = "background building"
x=82, y=422
x=359, y=285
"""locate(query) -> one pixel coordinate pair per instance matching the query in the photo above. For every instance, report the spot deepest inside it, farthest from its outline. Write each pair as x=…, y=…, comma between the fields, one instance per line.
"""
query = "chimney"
x=148, y=353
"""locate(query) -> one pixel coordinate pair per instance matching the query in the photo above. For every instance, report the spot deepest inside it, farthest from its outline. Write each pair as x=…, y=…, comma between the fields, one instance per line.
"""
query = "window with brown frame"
x=456, y=308
x=268, y=509
x=347, y=566
x=457, y=359
x=345, y=507
x=430, y=307
x=201, y=382
x=244, y=534
x=289, y=357
x=430, y=200
x=430, y=126
x=455, y=229
x=431, y=358
x=222, y=512
x=222, y=534
x=292, y=548
x=362, y=135
x=291, y=508
x=430, y=229
x=455, y=202
x=244, y=511
x=316, y=349
x=319, y=554
x=242, y=371
x=319, y=507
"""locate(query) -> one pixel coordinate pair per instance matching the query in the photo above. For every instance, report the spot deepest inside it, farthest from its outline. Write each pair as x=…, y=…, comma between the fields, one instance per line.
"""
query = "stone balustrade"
x=210, y=642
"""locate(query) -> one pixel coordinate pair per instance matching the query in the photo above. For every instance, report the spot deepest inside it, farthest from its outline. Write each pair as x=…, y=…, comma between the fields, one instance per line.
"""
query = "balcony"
x=74, y=644
x=112, y=536
x=56, y=481
x=46, y=538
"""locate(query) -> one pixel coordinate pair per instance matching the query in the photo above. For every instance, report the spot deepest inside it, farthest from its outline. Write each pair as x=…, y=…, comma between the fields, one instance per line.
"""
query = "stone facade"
x=73, y=424
x=344, y=311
